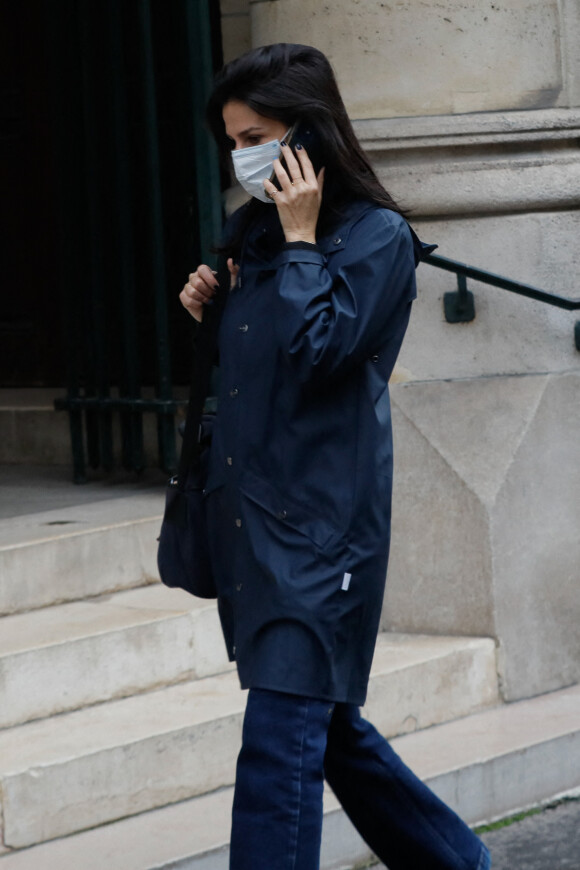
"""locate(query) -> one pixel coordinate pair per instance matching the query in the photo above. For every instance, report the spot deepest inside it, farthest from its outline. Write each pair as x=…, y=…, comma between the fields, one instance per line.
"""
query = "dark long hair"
x=296, y=83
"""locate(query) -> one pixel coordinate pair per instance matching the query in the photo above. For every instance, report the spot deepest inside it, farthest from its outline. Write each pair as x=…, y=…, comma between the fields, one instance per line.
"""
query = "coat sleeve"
x=326, y=324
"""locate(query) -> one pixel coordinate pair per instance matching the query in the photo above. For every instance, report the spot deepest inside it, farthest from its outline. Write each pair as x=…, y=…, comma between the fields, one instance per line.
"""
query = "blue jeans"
x=290, y=744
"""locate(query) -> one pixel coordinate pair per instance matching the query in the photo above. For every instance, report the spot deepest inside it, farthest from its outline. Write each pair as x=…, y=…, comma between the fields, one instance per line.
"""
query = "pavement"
x=548, y=840
x=545, y=840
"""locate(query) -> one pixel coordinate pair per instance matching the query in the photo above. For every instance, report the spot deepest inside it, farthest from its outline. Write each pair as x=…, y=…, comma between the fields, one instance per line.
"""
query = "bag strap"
x=204, y=354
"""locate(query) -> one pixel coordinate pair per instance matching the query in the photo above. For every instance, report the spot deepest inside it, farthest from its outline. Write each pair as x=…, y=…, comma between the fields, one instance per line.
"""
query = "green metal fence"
x=139, y=208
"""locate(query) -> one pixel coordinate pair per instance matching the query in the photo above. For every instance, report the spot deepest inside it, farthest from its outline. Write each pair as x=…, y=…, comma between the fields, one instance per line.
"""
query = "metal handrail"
x=459, y=306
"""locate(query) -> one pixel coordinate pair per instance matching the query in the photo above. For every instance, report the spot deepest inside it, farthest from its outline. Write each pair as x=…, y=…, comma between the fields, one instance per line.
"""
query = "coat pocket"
x=288, y=513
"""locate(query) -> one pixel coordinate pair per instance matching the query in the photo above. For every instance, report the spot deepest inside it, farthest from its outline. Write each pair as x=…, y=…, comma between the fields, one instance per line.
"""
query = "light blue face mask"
x=253, y=165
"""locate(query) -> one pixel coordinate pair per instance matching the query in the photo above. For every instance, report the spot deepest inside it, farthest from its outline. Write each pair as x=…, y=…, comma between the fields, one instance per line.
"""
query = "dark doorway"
x=74, y=184
x=110, y=197
x=72, y=113
x=30, y=325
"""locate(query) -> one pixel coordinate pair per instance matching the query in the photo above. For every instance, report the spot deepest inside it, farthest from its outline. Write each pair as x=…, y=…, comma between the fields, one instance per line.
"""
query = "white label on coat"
x=346, y=582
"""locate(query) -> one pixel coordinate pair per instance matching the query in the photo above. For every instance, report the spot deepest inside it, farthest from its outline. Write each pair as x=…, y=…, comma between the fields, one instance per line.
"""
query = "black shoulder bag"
x=183, y=556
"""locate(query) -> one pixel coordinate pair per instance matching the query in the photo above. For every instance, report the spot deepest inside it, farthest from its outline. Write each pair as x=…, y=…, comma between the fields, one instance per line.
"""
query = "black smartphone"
x=303, y=134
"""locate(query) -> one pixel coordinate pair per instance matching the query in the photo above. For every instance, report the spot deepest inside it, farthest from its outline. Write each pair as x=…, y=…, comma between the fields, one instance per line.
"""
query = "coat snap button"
x=229, y=460
x=244, y=327
x=337, y=241
x=282, y=515
x=375, y=357
x=238, y=522
x=234, y=392
x=239, y=587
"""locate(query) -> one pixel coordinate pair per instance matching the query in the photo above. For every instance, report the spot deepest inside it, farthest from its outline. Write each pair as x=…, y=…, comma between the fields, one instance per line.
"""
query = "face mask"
x=253, y=165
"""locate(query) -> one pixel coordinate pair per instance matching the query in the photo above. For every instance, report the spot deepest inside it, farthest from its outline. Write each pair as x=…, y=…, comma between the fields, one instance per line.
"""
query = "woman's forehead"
x=240, y=119
x=240, y=116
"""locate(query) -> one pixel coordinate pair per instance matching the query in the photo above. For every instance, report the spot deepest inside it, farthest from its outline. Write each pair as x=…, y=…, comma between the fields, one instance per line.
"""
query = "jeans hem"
x=484, y=862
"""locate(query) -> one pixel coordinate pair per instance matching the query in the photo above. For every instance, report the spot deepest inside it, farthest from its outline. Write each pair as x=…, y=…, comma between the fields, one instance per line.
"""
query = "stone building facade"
x=470, y=112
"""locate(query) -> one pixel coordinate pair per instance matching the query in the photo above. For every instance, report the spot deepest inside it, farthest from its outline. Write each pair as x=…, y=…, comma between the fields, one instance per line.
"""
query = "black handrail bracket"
x=459, y=306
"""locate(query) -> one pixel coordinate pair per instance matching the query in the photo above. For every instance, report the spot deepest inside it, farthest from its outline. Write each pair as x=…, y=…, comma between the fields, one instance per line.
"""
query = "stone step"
x=486, y=766
x=419, y=680
x=79, y=551
x=85, y=768
x=69, y=656
x=81, y=769
x=33, y=433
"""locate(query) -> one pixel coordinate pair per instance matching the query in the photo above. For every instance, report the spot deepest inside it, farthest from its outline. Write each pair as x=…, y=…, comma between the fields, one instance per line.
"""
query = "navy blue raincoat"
x=299, y=491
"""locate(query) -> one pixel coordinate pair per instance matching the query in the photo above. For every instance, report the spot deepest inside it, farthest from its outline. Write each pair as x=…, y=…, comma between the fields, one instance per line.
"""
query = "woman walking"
x=322, y=267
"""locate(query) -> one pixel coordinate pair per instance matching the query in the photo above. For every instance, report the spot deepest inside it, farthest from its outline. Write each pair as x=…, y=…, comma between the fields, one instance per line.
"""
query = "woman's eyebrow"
x=250, y=130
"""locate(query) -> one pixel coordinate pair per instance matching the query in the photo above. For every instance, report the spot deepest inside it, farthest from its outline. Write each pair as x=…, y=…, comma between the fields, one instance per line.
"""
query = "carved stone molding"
x=478, y=164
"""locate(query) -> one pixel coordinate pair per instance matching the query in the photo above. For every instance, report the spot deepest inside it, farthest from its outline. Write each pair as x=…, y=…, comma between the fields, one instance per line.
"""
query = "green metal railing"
x=140, y=206
x=459, y=305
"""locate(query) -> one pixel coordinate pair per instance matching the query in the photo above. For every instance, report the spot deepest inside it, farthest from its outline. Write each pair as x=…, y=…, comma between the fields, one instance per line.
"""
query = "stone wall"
x=403, y=57
x=486, y=525
x=470, y=113
x=236, y=30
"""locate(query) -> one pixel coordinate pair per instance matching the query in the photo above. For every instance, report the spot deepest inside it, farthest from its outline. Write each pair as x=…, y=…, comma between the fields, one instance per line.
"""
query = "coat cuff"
x=300, y=246
x=299, y=252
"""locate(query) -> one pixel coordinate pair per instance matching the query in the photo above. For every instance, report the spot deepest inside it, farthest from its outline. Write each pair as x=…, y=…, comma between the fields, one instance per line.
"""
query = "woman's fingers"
x=293, y=178
x=206, y=281
x=294, y=168
x=200, y=288
x=298, y=200
x=281, y=175
x=192, y=305
x=307, y=169
x=298, y=168
x=299, y=165
x=233, y=272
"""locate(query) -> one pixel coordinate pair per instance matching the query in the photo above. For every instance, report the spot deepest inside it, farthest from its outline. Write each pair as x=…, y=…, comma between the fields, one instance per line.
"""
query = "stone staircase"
x=120, y=717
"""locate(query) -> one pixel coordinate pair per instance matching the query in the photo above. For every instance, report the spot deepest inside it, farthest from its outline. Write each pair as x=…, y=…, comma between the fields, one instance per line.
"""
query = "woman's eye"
x=254, y=140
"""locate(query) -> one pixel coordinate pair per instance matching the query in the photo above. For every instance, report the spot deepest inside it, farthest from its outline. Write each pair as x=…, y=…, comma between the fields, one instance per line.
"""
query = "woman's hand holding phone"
x=300, y=195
